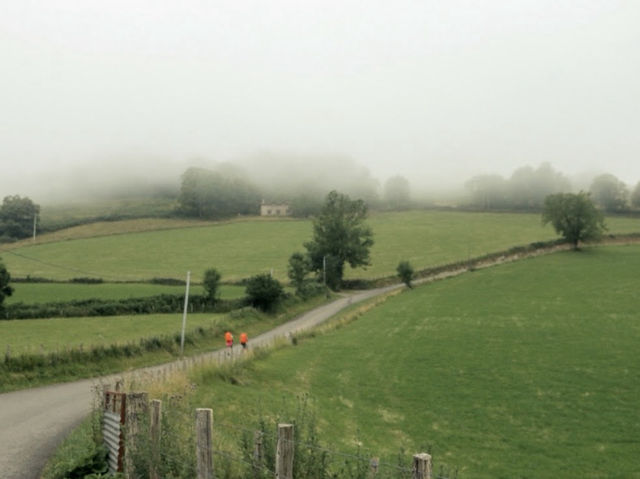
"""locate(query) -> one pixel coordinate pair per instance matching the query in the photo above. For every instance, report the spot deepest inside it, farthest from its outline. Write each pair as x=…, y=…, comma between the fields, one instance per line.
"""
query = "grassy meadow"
x=528, y=369
x=57, y=334
x=241, y=249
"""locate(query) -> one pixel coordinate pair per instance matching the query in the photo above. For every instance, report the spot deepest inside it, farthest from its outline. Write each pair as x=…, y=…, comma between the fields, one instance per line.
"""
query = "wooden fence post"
x=422, y=466
x=204, y=443
x=258, y=453
x=137, y=406
x=284, y=452
x=155, y=429
x=373, y=467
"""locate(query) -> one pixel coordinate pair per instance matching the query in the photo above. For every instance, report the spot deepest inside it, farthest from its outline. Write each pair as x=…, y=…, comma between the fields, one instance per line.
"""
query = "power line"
x=66, y=268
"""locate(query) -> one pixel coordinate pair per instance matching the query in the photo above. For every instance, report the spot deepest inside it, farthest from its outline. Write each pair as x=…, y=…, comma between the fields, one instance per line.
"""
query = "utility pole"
x=35, y=216
x=324, y=275
x=324, y=270
x=184, y=314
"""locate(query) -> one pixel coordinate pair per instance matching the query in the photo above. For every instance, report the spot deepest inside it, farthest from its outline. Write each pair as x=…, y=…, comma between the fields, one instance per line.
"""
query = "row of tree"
x=17, y=218
x=528, y=187
x=229, y=190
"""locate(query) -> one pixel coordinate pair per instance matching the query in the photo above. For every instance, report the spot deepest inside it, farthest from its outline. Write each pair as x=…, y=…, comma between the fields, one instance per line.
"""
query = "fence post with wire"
x=284, y=452
x=154, y=432
x=204, y=443
x=422, y=466
x=255, y=453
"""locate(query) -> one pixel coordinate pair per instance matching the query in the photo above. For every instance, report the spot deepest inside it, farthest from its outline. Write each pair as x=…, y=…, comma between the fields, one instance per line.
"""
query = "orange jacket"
x=243, y=338
x=228, y=337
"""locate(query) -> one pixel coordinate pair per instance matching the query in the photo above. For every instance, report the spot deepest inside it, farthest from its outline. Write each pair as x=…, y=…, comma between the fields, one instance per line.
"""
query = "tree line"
x=528, y=187
x=228, y=190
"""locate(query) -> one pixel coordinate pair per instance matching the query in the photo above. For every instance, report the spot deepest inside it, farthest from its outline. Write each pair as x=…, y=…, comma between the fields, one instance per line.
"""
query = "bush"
x=87, y=280
x=211, y=283
x=309, y=289
x=264, y=292
x=405, y=272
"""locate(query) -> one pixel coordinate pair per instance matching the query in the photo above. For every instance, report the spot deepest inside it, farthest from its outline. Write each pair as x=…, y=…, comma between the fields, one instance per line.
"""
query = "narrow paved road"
x=33, y=422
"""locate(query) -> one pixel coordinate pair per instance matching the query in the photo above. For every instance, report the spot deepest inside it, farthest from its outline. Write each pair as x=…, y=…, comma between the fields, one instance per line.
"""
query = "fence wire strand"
x=242, y=460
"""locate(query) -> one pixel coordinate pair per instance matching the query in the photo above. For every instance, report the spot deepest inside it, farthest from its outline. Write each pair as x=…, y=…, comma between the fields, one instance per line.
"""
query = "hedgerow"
x=163, y=303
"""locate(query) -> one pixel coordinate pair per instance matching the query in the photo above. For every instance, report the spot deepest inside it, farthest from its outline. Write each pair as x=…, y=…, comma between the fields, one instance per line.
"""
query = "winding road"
x=33, y=422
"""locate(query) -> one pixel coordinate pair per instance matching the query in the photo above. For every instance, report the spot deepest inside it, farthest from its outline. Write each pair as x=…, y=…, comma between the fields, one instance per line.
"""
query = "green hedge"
x=164, y=303
x=170, y=343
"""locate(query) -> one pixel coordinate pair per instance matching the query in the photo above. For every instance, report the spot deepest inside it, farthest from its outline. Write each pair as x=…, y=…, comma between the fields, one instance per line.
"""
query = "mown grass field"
x=244, y=248
x=58, y=334
x=529, y=369
x=30, y=293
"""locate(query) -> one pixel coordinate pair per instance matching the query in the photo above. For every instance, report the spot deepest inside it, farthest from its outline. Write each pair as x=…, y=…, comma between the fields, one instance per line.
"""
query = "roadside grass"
x=76, y=450
x=31, y=293
x=65, y=345
x=529, y=369
x=242, y=249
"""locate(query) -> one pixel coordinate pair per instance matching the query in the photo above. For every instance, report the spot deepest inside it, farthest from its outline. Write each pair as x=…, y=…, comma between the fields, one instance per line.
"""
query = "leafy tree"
x=488, y=191
x=635, y=196
x=216, y=194
x=5, y=289
x=573, y=216
x=211, y=282
x=339, y=236
x=405, y=272
x=298, y=269
x=529, y=187
x=397, y=192
x=609, y=192
x=304, y=180
x=264, y=292
x=304, y=205
x=16, y=217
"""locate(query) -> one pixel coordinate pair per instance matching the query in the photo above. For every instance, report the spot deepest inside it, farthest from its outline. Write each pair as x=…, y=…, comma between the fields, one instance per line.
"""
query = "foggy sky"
x=435, y=90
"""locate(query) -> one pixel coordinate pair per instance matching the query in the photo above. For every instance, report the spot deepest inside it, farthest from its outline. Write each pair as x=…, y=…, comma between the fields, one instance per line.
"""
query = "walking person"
x=228, y=339
x=244, y=339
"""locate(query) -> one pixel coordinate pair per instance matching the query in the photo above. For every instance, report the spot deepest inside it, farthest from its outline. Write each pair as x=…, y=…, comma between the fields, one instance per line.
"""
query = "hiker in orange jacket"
x=243, y=340
x=228, y=339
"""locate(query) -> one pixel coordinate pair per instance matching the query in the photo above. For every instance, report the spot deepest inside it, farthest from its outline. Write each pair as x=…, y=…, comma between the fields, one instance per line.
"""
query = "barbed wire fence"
x=177, y=444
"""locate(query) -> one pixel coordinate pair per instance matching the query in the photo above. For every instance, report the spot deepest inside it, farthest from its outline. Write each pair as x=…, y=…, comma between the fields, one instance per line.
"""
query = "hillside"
x=145, y=249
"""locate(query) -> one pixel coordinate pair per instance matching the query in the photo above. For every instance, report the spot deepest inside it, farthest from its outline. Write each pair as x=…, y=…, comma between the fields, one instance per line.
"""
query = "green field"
x=242, y=249
x=529, y=369
x=30, y=293
x=58, y=334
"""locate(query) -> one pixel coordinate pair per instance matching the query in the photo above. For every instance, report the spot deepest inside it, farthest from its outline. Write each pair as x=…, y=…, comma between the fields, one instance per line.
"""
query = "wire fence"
x=259, y=451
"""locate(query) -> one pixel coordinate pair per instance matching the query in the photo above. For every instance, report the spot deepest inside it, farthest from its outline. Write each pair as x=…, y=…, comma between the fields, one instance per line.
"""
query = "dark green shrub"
x=405, y=272
x=309, y=289
x=211, y=283
x=87, y=280
x=298, y=268
x=264, y=292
